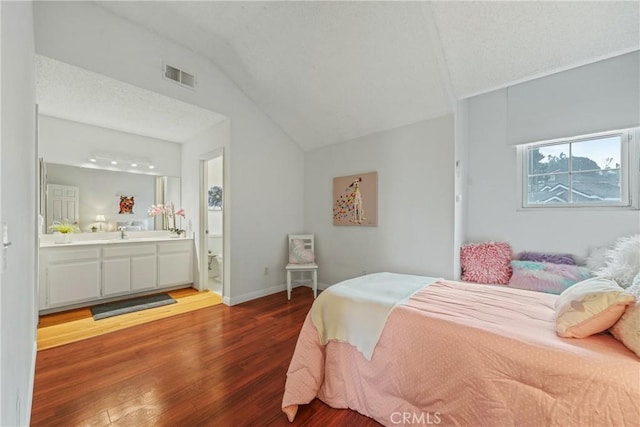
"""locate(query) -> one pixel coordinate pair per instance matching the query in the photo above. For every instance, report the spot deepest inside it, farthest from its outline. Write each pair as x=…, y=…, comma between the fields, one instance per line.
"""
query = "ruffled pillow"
x=488, y=262
x=298, y=254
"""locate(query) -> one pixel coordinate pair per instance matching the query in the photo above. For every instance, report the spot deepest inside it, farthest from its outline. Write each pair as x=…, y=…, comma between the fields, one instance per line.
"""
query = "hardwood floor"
x=216, y=366
x=75, y=325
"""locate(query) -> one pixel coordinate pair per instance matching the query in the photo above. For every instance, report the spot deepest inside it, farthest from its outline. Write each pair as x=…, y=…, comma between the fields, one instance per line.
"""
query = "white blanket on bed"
x=356, y=310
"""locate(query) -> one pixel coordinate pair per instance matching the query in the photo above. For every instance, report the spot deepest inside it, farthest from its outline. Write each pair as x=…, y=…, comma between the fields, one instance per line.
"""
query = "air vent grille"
x=179, y=76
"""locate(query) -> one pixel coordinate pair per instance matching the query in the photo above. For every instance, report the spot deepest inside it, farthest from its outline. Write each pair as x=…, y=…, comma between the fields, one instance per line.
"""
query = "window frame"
x=629, y=171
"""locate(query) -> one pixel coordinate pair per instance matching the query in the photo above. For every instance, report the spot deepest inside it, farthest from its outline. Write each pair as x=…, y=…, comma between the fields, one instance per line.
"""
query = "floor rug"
x=111, y=309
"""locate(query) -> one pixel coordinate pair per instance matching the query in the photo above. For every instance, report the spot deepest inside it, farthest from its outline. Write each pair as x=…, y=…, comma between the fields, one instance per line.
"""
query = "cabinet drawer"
x=179, y=246
x=128, y=250
x=72, y=254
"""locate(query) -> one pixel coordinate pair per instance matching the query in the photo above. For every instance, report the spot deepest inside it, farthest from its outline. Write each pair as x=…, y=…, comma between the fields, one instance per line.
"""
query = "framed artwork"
x=215, y=198
x=355, y=200
x=126, y=204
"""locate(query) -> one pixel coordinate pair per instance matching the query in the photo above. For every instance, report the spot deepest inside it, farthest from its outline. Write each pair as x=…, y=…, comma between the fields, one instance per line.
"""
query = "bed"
x=454, y=353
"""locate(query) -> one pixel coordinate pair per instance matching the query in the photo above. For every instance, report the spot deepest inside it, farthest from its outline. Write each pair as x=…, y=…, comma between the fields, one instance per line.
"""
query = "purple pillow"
x=566, y=259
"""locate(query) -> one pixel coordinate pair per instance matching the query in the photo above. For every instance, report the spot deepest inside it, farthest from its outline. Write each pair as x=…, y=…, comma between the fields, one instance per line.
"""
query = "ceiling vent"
x=179, y=76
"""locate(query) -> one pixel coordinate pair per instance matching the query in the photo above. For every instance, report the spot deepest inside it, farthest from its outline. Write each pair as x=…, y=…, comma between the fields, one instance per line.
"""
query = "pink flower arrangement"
x=168, y=211
x=155, y=210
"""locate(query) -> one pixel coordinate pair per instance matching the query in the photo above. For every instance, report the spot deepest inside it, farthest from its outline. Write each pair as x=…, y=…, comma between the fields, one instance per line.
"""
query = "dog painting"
x=355, y=200
x=126, y=204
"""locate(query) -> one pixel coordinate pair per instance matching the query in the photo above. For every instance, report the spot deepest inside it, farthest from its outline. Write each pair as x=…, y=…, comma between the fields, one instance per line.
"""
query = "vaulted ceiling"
x=72, y=93
x=327, y=72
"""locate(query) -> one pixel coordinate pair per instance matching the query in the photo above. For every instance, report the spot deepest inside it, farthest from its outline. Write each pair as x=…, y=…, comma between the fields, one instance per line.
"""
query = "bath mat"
x=111, y=309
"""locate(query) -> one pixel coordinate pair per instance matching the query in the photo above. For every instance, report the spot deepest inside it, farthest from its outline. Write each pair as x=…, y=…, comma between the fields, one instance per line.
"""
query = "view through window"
x=579, y=171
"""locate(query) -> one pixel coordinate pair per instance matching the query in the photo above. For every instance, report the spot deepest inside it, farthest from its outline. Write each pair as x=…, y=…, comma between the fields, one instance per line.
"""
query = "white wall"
x=415, y=231
x=100, y=192
x=492, y=199
x=214, y=173
x=18, y=311
x=195, y=150
x=267, y=201
x=72, y=143
x=461, y=159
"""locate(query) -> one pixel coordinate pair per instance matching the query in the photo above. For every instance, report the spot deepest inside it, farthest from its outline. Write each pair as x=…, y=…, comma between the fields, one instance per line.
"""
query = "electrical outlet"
x=266, y=271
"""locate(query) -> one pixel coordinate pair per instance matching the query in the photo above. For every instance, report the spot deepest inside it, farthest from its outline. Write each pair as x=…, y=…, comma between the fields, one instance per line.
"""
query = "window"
x=582, y=171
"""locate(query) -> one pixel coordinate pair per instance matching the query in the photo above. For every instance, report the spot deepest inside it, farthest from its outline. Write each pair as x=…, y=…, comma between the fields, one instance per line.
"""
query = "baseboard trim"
x=264, y=292
x=255, y=295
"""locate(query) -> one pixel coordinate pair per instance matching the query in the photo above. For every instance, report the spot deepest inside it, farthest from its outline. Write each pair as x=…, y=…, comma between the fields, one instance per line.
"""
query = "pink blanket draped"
x=471, y=355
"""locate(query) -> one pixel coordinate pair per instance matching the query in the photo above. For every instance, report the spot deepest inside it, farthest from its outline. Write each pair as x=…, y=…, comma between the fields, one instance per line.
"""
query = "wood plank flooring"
x=216, y=366
x=75, y=325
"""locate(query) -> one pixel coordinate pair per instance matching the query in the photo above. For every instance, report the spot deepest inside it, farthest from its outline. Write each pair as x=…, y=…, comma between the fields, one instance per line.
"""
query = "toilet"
x=215, y=256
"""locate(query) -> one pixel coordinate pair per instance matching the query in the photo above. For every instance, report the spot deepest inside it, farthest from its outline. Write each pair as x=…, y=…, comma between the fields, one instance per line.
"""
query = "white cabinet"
x=175, y=263
x=69, y=276
x=73, y=275
x=128, y=267
x=144, y=272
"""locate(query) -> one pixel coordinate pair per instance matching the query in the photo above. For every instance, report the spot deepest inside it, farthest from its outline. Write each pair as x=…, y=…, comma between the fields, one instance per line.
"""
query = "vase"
x=62, y=238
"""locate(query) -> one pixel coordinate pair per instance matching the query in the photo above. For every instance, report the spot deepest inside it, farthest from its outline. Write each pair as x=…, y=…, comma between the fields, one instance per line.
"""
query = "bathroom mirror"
x=92, y=197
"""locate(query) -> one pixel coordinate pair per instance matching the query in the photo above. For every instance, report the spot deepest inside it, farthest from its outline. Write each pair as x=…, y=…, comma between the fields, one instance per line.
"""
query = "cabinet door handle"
x=6, y=245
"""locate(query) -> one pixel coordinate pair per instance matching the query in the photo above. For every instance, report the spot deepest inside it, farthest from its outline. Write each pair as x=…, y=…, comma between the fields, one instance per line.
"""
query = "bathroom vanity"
x=90, y=271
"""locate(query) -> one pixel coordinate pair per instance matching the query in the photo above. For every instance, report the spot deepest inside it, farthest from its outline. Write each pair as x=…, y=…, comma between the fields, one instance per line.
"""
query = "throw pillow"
x=488, y=262
x=543, y=257
x=596, y=257
x=590, y=307
x=622, y=261
x=627, y=329
x=298, y=254
x=546, y=277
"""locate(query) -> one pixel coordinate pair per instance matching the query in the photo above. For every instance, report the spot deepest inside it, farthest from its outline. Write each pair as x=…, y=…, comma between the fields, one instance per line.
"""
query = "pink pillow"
x=298, y=254
x=488, y=262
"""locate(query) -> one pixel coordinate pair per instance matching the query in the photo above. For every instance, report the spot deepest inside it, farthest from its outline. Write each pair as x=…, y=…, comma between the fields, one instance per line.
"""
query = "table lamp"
x=100, y=219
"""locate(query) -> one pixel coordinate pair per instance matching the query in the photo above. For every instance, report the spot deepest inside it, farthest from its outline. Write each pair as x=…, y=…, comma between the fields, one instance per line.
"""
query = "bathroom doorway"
x=213, y=180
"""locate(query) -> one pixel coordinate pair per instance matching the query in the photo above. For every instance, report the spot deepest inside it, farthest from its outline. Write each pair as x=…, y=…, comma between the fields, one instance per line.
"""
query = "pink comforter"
x=471, y=355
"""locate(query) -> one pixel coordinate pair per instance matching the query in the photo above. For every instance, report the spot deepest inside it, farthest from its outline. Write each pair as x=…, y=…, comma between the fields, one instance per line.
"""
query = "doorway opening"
x=212, y=252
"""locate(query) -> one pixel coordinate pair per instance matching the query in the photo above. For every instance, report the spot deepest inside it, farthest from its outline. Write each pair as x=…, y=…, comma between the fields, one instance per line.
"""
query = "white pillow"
x=298, y=254
x=596, y=258
x=622, y=261
x=590, y=307
x=627, y=329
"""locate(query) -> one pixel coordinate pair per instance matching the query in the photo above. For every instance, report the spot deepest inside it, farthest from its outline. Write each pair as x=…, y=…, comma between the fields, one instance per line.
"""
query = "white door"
x=63, y=204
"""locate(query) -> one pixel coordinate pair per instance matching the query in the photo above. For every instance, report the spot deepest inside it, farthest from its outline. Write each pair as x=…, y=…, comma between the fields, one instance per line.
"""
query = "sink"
x=88, y=242
x=108, y=241
x=138, y=239
x=112, y=241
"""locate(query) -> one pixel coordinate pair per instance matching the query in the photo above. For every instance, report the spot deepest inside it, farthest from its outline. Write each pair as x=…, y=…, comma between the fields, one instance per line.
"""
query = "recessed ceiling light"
x=113, y=162
x=93, y=160
x=151, y=166
x=134, y=164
